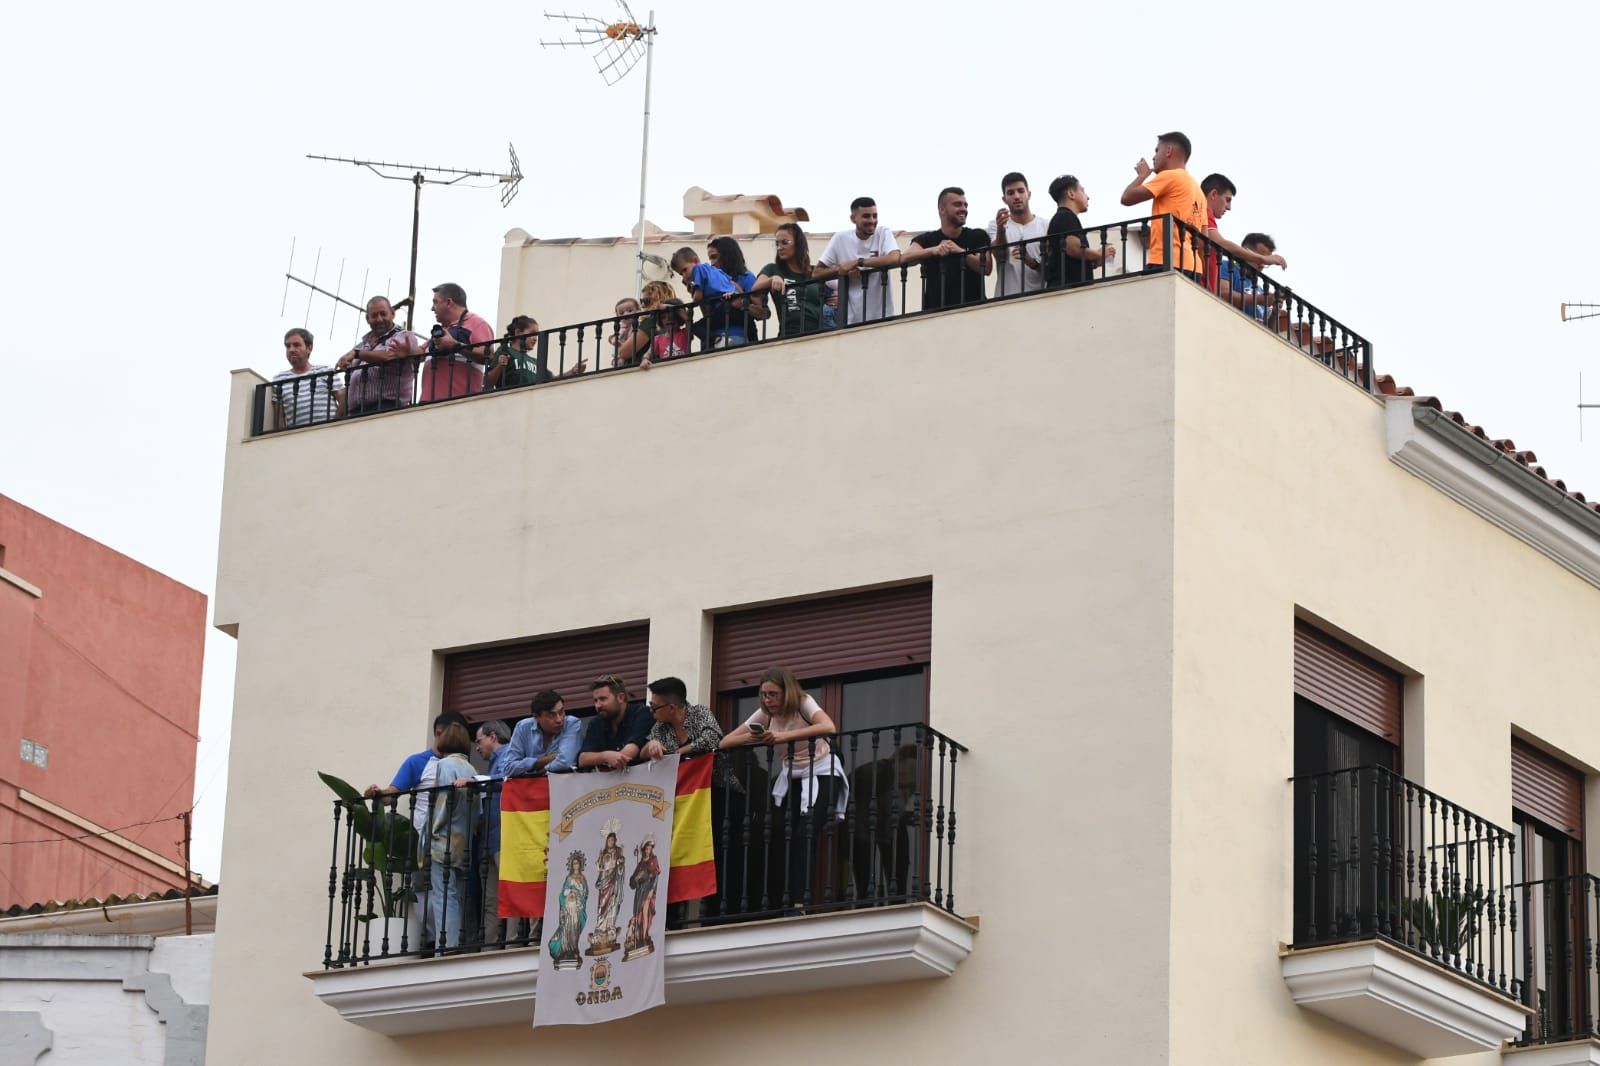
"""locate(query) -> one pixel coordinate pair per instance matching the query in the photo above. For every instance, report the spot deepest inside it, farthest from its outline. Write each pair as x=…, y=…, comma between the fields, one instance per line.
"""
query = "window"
x=864, y=657
x=1347, y=716
x=1547, y=809
x=500, y=682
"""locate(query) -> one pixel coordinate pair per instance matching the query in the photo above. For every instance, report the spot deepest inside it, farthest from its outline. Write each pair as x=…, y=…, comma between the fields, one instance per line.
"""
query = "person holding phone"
x=812, y=783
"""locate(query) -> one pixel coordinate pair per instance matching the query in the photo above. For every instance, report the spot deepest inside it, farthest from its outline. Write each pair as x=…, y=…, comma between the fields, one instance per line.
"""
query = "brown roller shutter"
x=1546, y=788
x=499, y=682
x=1346, y=682
x=825, y=637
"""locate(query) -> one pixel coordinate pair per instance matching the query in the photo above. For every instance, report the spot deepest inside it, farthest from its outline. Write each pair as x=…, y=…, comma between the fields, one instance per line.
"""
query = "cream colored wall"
x=1286, y=502
x=1036, y=493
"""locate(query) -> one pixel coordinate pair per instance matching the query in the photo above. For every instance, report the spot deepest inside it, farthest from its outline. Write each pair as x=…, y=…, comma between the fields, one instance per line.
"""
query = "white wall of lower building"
x=76, y=1000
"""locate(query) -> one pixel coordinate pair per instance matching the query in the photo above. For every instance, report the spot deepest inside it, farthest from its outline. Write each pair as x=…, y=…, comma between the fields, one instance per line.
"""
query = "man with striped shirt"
x=305, y=395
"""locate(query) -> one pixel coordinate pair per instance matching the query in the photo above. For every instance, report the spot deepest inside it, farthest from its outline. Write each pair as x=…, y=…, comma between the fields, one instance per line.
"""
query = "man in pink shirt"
x=459, y=347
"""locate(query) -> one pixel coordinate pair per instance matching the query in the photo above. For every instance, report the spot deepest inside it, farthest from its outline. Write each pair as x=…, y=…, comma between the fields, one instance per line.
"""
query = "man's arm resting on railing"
x=1255, y=259
x=1078, y=250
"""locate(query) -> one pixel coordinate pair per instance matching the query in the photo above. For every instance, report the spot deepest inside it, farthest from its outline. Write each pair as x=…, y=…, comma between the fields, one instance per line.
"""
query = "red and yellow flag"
x=525, y=840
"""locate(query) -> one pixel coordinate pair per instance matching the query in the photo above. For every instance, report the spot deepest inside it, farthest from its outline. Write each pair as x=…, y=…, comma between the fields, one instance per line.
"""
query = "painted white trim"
x=1573, y=1053
x=787, y=956
x=26, y=586
x=1401, y=999
x=1490, y=482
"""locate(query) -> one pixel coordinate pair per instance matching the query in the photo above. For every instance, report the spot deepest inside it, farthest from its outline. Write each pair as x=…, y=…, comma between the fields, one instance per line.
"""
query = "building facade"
x=1174, y=571
x=100, y=660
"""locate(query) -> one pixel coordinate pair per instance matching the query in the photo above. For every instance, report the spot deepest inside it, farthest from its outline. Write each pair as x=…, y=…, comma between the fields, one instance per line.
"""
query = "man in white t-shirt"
x=1020, y=266
x=305, y=394
x=850, y=251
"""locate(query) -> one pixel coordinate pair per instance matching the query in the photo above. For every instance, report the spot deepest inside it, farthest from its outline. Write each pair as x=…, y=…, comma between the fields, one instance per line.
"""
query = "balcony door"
x=866, y=659
x=1346, y=793
x=1557, y=898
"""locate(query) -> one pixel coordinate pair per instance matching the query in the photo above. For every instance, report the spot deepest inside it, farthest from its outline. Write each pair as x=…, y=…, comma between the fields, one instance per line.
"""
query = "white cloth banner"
x=605, y=913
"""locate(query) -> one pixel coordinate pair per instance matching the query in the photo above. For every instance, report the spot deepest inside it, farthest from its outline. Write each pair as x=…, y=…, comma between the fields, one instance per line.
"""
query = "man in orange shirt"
x=1175, y=192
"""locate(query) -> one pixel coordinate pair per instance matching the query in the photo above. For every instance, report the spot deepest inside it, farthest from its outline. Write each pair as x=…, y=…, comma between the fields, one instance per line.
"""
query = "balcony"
x=1558, y=946
x=884, y=294
x=1405, y=915
x=801, y=905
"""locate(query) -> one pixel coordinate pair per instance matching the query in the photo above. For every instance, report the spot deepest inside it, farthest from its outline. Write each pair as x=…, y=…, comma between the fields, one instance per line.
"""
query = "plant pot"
x=410, y=927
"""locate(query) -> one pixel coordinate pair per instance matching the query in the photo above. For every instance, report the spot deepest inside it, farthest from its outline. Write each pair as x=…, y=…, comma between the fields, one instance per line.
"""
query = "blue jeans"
x=444, y=903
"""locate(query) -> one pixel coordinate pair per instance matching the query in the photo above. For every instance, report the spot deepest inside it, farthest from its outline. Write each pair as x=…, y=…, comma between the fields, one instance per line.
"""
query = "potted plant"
x=389, y=855
x=1449, y=920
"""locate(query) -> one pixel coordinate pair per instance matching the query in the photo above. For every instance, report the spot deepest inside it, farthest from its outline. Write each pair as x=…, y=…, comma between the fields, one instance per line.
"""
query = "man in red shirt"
x=458, y=349
x=1219, y=192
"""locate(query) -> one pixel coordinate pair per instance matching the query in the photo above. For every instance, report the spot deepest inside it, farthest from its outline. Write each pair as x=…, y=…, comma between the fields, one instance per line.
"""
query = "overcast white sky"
x=1422, y=173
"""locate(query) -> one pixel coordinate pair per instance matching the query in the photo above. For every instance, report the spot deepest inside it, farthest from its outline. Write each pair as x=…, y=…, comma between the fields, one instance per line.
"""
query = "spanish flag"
x=694, y=868
x=525, y=840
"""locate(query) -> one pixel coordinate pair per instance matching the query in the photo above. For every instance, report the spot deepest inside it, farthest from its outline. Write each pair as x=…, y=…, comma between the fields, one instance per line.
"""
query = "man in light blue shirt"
x=547, y=743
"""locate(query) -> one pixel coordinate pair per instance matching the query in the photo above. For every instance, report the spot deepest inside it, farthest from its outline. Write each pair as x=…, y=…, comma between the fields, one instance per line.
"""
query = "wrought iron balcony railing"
x=860, y=298
x=1560, y=957
x=1380, y=857
x=892, y=842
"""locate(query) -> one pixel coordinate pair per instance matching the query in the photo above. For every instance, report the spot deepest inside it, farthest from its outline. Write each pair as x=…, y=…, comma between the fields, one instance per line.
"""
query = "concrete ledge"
x=1572, y=1053
x=1401, y=999
x=784, y=957
x=1485, y=479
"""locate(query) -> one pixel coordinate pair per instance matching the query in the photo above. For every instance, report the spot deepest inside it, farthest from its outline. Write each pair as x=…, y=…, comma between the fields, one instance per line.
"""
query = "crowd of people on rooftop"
x=849, y=282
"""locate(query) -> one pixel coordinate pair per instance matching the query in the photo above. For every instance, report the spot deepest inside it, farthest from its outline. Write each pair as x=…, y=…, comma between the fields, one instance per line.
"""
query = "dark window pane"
x=883, y=701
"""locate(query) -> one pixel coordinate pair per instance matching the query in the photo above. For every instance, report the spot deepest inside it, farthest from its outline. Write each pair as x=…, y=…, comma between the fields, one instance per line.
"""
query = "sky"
x=1417, y=171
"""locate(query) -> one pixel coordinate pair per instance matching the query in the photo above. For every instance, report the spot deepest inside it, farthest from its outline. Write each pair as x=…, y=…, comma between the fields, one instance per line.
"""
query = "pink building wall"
x=102, y=667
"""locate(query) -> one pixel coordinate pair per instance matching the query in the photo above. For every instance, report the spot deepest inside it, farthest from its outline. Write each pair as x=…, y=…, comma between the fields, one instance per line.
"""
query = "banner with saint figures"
x=605, y=921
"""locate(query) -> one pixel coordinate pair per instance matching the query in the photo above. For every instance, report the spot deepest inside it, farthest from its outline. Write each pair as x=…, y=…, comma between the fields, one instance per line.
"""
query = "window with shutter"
x=499, y=682
x=1341, y=680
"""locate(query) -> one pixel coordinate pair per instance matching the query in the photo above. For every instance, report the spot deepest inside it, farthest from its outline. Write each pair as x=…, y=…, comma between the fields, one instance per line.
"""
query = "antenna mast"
x=1572, y=312
x=430, y=175
x=616, y=46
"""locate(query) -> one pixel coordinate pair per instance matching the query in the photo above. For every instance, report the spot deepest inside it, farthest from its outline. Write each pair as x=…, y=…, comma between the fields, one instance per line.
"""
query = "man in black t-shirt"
x=956, y=259
x=1068, y=258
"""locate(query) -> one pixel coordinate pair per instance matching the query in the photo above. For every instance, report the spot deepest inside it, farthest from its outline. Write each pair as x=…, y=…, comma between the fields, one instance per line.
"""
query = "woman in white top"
x=811, y=784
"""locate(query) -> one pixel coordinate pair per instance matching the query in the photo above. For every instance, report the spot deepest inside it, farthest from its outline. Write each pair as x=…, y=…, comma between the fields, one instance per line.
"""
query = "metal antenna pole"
x=616, y=46
x=421, y=175
x=416, y=225
x=644, y=147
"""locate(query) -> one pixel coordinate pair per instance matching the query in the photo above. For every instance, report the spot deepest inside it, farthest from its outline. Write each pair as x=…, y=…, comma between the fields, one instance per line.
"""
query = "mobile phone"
x=756, y=729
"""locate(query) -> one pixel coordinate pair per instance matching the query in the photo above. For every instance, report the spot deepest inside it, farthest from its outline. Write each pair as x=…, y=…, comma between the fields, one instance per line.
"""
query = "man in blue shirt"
x=547, y=743
x=618, y=729
x=409, y=776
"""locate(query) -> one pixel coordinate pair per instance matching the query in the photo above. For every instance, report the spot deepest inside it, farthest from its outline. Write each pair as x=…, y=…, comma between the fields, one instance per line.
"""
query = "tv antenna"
x=1572, y=312
x=616, y=46
x=430, y=175
x=336, y=294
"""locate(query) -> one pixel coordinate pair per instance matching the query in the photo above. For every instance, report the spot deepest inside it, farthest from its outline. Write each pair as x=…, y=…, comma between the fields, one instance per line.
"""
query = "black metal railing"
x=1380, y=857
x=809, y=307
x=395, y=891
x=1559, y=953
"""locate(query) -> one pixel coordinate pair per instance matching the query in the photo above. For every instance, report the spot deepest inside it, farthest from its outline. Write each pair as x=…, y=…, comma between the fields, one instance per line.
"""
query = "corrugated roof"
x=95, y=903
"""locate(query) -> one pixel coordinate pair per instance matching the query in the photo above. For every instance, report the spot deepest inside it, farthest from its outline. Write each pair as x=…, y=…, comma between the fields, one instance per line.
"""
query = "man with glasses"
x=618, y=730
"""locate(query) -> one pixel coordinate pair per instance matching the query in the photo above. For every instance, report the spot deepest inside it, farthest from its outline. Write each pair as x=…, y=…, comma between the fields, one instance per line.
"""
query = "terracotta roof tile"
x=1527, y=459
x=95, y=903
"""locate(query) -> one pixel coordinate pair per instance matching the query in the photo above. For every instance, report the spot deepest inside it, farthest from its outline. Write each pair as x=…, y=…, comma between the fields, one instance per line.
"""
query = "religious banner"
x=605, y=921
x=525, y=837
